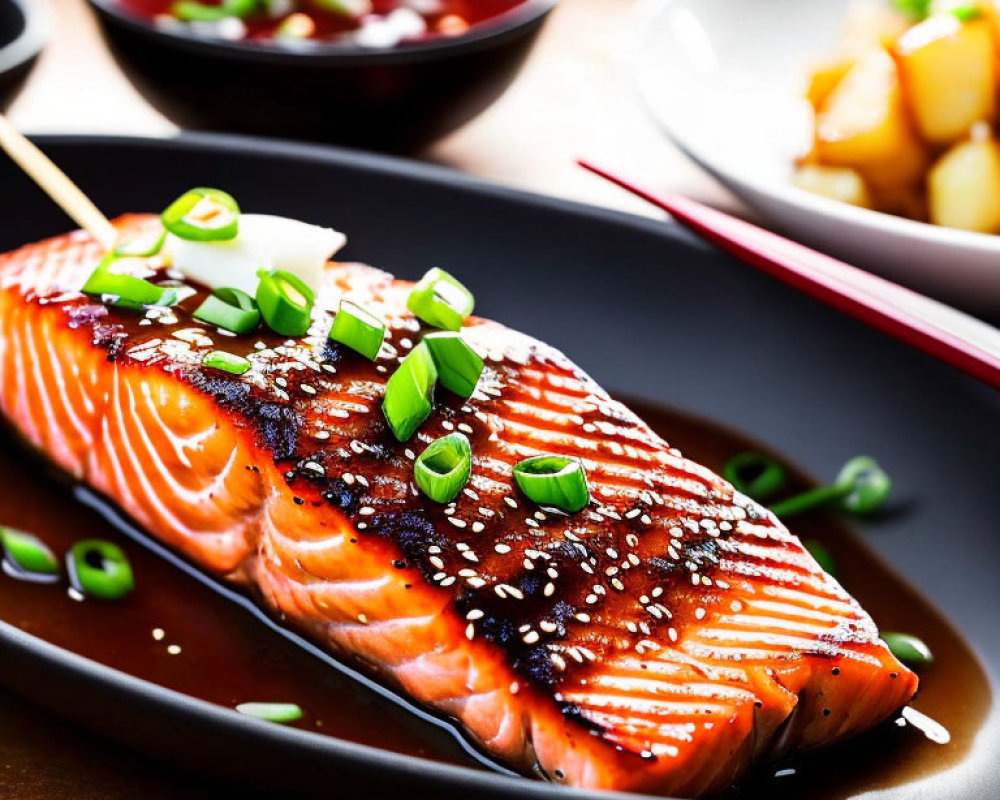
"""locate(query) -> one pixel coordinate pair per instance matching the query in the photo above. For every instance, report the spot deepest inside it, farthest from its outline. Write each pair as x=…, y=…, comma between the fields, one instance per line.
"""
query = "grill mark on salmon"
x=660, y=640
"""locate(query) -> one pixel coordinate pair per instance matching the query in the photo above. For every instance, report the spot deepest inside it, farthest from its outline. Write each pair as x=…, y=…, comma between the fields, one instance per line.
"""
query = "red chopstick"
x=933, y=327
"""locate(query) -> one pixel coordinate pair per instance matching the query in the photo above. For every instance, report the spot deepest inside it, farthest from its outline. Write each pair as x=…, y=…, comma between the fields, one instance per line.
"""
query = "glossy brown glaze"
x=155, y=635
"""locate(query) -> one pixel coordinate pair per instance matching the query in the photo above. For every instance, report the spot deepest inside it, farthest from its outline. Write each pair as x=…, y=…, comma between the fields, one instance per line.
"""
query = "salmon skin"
x=662, y=640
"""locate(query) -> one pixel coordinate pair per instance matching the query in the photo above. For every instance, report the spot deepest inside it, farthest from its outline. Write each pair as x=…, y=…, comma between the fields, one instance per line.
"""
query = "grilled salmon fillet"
x=663, y=639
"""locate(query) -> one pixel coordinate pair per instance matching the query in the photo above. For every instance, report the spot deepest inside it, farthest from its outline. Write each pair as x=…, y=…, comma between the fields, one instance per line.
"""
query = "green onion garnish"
x=822, y=556
x=27, y=553
x=908, y=649
x=861, y=487
x=227, y=362
x=285, y=302
x=126, y=291
x=440, y=300
x=755, y=475
x=409, y=393
x=458, y=365
x=194, y=11
x=358, y=329
x=203, y=215
x=100, y=569
x=443, y=469
x=271, y=712
x=143, y=247
x=231, y=309
x=555, y=481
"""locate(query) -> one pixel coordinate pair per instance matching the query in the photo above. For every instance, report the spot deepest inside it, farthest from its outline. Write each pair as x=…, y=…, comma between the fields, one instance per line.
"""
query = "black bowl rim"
x=29, y=43
x=458, y=779
x=510, y=24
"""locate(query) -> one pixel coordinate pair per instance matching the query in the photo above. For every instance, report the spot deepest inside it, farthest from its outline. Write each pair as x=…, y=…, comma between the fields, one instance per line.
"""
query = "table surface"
x=571, y=99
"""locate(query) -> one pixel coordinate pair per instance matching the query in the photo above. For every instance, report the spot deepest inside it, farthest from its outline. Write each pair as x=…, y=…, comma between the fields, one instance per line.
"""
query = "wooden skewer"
x=55, y=183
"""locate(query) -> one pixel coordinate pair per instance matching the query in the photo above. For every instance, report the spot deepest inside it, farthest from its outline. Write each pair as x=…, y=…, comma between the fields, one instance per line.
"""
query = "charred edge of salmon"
x=670, y=619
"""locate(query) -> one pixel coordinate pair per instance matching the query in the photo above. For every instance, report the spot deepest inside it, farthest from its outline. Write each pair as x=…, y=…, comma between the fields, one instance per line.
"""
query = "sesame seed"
x=478, y=527
x=558, y=661
x=672, y=633
x=618, y=584
x=470, y=631
x=458, y=523
x=502, y=549
x=158, y=634
x=366, y=511
x=467, y=573
x=308, y=389
x=582, y=617
x=633, y=513
x=510, y=501
x=531, y=637
x=322, y=435
x=549, y=590
x=591, y=598
x=362, y=619
x=699, y=613
x=476, y=583
x=448, y=581
x=436, y=562
x=174, y=649
x=468, y=555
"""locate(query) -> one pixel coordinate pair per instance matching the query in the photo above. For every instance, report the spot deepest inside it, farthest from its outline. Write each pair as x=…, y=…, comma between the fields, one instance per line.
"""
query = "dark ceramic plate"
x=650, y=313
x=24, y=28
x=399, y=98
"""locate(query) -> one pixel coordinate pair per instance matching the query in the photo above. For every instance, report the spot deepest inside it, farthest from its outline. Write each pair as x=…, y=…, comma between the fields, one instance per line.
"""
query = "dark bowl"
x=395, y=99
x=24, y=29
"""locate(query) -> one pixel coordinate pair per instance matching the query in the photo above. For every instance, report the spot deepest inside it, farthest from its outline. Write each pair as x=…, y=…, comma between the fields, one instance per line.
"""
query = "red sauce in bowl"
x=381, y=23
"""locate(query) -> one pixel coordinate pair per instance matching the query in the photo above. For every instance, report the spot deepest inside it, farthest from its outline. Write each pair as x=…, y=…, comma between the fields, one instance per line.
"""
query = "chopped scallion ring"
x=908, y=649
x=555, y=481
x=271, y=712
x=458, y=365
x=100, y=569
x=203, y=215
x=27, y=554
x=143, y=247
x=440, y=300
x=755, y=475
x=126, y=291
x=285, y=302
x=231, y=309
x=443, y=469
x=861, y=487
x=358, y=329
x=409, y=393
x=227, y=362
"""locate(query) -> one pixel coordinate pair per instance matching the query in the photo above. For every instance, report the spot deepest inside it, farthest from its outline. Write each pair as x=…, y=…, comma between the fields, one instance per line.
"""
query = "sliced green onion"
x=865, y=485
x=409, y=393
x=443, y=469
x=861, y=487
x=271, y=712
x=285, y=302
x=126, y=291
x=227, y=362
x=458, y=365
x=347, y=8
x=27, y=553
x=100, y=569
x=143, y=247
x=440, y=300
x=918, y=9
x=203, y=215
x=822, y=556
x=231, y=309
x=966, y=12
x=908, y=649
x=755, y=475
x=555, y=481
x=358, y=329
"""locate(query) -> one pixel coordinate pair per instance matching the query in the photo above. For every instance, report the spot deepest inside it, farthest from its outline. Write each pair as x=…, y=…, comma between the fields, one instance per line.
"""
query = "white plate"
x=725, y=79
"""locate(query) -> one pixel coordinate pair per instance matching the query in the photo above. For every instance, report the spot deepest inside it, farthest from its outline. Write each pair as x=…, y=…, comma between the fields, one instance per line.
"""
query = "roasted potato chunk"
x=838, y=183
x=949, y=74
x=964, y=187
x=864, y=125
